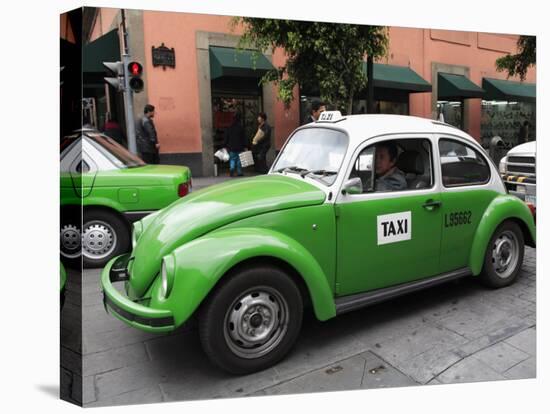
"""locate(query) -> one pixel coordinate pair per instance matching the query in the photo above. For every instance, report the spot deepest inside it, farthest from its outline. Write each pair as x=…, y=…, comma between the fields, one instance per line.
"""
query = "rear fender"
x=505, y=207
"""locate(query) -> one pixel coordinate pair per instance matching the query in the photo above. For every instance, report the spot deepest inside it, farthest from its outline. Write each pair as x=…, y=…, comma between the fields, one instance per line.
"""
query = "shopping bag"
x=222, y=154
x=246, y=158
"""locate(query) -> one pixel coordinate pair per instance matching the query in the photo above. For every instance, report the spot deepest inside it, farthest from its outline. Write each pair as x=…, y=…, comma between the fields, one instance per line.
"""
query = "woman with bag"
x=261, y=144
x=234, y=140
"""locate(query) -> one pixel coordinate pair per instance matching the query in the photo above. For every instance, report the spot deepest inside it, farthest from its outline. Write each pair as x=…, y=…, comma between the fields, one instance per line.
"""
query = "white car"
x=518, y=169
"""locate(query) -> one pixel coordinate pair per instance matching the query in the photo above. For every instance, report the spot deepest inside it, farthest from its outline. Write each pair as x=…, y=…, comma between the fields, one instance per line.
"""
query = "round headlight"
x=167, y=269
x=163, y=280
x=502, y=165
x=137, y=229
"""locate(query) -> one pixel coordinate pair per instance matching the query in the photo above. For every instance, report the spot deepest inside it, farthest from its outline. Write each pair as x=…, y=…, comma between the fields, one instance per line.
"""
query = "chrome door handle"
x=431, y=204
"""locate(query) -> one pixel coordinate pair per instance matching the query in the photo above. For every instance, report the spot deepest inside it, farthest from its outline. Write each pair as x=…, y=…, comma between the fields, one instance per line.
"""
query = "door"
x=390, y=232
x=467, y=188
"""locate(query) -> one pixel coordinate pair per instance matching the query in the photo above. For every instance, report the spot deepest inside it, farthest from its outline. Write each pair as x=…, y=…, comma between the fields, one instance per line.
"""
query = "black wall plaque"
x=163, y=56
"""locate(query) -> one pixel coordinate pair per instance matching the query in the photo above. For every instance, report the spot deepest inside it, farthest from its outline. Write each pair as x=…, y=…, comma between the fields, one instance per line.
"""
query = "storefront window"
x=450, y=112
x=223, y=110
x=394, y=108
x=505, y=119
x=382, y=107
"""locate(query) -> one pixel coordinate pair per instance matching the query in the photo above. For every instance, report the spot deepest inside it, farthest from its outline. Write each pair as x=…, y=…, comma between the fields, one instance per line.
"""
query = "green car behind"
x=104, y=189
x=320, y=230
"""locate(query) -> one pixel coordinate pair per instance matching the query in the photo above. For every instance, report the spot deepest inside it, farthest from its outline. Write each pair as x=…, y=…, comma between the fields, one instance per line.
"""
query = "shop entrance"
x=224, y=106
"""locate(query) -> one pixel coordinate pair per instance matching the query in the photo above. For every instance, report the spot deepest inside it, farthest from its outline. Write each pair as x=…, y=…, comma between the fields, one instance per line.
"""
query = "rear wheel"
x=252, y=320
x=504, y=256
x=70, y=238
x=104, y=236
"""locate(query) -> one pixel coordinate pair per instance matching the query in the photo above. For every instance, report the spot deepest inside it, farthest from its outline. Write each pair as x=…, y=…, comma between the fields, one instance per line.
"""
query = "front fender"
x=201, y=263
x=501, y=208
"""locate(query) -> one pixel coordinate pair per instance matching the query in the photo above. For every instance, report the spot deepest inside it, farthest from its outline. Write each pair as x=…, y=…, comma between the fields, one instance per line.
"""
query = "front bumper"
x=523, y=187
x=134, y=314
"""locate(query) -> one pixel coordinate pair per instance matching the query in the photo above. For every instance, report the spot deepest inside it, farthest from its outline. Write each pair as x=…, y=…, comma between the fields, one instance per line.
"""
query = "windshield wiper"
x=322, y=173
x=292, y=168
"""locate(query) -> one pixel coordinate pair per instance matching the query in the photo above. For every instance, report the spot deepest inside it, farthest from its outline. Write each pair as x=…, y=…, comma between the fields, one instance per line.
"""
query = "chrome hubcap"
x=505, y=254
x=256, y=322
x=98, y=240
x=70, y=241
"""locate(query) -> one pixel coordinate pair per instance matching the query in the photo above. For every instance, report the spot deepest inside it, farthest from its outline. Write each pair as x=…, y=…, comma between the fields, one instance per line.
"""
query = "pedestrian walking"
x=148, y=145
x=261, y=144
x=235, y=142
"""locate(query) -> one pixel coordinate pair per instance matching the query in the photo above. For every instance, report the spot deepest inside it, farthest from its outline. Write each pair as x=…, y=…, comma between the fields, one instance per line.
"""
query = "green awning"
x=104, y=49
x=451, y=86
x=398, y=77
x=228, y=61
x=503, y=90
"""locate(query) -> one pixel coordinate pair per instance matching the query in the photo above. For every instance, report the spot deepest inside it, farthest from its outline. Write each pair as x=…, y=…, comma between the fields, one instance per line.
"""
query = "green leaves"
x=519, y=63
x=324, y=56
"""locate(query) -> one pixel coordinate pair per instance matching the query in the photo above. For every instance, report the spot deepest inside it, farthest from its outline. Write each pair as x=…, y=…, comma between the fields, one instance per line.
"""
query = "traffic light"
x=135, y=71
x=116, y=69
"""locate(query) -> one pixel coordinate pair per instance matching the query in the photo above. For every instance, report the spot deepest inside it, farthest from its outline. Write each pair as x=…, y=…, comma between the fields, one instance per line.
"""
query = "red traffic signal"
x=135, y=71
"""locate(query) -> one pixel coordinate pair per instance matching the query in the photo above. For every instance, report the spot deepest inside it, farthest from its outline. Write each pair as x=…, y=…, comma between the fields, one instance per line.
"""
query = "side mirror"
x=353, y=186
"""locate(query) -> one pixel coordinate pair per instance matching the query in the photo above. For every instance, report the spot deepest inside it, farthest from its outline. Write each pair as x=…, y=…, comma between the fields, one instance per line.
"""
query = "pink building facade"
x=192, y=101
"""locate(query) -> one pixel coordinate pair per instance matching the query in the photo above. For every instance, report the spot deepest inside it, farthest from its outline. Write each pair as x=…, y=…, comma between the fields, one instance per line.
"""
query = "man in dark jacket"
x=147, y=142
x=234, y=141
x=261, y=144
x=316, y=108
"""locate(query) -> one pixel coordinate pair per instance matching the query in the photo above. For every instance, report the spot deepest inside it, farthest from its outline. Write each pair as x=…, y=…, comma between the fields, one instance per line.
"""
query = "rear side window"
x=461, y=164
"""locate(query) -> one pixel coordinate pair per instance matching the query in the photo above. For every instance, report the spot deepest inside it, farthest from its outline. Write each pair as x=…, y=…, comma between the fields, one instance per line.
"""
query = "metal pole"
x=128, y=94
x=370, y=85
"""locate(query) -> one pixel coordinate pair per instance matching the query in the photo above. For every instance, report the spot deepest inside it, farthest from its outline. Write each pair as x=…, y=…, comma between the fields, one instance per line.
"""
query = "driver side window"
x=395, y=165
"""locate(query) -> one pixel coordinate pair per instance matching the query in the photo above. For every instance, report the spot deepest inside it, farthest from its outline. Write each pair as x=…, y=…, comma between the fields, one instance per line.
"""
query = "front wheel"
x=504, y=256
x=104, y=236
x=252, y=320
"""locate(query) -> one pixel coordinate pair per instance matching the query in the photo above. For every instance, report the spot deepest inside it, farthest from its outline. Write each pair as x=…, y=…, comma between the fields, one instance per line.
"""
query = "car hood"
x=210, y=208
x=527, y=148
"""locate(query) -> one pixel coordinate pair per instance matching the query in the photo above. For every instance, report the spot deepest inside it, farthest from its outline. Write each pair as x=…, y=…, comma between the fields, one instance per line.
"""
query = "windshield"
x=115, y=152
x=314, y=152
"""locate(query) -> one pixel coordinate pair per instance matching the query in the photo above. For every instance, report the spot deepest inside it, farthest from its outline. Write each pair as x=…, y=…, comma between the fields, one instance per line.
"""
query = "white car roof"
x=362, y=127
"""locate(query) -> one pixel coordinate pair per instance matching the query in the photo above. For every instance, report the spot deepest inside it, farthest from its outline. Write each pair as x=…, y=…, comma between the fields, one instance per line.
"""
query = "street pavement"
x=458, y=332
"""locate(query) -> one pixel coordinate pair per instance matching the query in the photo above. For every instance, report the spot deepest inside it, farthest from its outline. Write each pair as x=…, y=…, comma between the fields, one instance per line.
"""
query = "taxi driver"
x=388, y=176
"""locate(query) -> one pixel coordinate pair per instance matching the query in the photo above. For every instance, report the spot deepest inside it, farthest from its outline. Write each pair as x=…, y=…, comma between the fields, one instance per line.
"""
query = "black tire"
x=108, y=226
x=494, y=275
x=266, y=292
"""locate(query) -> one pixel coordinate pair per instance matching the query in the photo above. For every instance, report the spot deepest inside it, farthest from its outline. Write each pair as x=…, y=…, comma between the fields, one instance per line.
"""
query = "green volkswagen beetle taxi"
x=354, y=210
x=104, y=189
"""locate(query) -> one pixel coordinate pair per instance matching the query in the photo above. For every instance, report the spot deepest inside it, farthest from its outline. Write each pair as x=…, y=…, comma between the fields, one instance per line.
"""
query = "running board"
x=348, y=303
